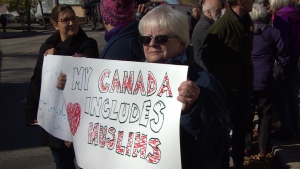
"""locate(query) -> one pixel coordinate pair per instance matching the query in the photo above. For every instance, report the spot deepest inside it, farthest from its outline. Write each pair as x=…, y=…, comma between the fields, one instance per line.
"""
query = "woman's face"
x=161, y=50
x=67, y=24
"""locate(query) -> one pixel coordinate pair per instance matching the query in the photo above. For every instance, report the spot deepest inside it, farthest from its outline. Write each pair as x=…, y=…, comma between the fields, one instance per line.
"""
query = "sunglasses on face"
x=159, y=39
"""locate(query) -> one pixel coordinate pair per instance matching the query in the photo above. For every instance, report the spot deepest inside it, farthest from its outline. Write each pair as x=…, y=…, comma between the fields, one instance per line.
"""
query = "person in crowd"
x=194, y=18
x=3, y=22
x=264, y=83
x=287, y=19
x=266, y=4
x=121, y=28
x=297, y=4
x=69, y=39
x=166, y=32
x=226, y=55
x=211, y=13
x=90, y=9
x=224, y=4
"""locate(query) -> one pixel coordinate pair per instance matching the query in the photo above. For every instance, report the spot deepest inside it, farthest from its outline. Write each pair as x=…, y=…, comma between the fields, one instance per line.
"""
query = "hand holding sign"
x=188, y=94
x=61, y=81
x=125, y=112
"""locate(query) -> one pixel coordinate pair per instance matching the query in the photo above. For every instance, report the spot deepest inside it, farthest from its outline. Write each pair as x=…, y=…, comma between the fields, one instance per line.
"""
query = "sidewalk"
x=286, y=153
x=35, y=31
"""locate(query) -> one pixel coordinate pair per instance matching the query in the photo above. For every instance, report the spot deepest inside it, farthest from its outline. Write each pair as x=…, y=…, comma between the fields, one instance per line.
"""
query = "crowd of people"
x=230, y=48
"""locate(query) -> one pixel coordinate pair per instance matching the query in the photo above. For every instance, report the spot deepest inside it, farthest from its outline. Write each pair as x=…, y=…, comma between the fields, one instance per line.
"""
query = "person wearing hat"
x=118, y=17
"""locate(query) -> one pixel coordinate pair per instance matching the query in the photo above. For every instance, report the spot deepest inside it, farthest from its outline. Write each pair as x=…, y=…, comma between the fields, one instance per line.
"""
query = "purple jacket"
x=261, y=57
x=287, y=20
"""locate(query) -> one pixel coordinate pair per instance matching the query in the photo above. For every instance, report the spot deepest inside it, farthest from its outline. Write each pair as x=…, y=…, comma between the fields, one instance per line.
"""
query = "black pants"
x=64, y=157
x=261, y=102
x=4, y=28
x=239, y=106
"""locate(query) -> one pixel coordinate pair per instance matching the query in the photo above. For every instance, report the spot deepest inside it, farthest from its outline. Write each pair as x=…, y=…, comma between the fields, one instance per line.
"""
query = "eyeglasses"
x=159, y=39
x=67, y=20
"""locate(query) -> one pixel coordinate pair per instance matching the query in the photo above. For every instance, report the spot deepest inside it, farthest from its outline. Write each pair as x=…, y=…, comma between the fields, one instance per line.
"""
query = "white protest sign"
x=123, y=114
x=52, y=114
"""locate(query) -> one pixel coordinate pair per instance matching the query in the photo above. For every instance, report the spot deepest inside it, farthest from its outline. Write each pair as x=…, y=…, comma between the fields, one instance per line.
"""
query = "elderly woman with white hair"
x=165, y=39
x=204, y=131
x=287, y=20
x=263, y=58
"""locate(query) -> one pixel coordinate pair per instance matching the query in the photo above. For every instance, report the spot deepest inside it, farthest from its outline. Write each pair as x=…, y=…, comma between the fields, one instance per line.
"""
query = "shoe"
x=261, y=155
x=247, y=153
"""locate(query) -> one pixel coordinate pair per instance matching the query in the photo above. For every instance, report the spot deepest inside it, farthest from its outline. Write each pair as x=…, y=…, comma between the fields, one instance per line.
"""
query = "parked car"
x=47, y=17
x=24, y=18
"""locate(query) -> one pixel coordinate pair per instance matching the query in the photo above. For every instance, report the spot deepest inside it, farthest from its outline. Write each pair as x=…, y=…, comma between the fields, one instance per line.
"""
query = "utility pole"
x=28, y=7
x=42, y=11
x=56, y=2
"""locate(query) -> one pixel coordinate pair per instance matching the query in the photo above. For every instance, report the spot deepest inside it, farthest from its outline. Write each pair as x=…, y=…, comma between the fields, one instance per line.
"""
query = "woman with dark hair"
x=69, y=40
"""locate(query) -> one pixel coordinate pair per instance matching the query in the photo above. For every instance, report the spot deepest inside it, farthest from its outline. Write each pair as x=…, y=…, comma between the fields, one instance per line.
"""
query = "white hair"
x=278, y=4
x=163, y=17
x=258, y=13
x=207, y=6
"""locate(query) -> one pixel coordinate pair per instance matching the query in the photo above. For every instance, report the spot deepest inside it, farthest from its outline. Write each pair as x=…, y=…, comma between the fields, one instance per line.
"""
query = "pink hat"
x=116, y=12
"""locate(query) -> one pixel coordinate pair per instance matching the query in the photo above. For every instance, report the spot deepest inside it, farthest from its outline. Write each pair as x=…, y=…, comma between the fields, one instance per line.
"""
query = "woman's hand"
x=61, y=81
x=49, y=52
x=32, y=124
x=79, y=55
x=188, y=94
x=141, y=11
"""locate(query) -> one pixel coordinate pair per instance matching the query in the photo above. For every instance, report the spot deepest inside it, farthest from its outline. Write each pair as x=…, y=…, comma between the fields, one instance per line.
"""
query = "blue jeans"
x=64, y=157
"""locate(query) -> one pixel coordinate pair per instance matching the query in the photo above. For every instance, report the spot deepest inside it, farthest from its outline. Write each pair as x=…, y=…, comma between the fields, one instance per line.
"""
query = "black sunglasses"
x=159, y=39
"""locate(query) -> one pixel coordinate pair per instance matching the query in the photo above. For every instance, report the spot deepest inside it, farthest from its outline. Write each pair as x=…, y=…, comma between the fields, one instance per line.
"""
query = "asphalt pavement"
x=19, y=145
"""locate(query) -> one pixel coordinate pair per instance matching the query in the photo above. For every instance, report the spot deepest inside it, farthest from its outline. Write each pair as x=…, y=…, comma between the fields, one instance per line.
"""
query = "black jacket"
x=199, y=35
x=227, y=52
x=79, y=43
x=125, y=45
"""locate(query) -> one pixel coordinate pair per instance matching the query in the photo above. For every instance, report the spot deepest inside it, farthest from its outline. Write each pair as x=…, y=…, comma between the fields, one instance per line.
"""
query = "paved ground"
x=18, y=150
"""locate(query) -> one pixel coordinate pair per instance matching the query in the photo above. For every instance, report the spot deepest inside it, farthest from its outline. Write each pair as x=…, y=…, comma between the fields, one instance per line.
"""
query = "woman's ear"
x=55, y=25
x=182, y=47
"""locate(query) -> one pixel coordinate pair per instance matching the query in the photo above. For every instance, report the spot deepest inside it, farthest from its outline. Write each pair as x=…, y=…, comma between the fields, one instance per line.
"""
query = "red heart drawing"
x=73, y=111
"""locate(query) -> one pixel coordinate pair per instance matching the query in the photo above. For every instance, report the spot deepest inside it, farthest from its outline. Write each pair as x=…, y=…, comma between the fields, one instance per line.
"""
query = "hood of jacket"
x=259, y=27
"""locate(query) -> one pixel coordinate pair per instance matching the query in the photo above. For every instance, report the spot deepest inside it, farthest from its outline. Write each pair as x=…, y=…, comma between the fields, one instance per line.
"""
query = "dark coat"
x=125, y=45
x=193, y=20
x=199, y=35
x=79, y=43
x=227, y=52
x=261, y=57
x=3, y=20
x=195, y=138
x=287, y=20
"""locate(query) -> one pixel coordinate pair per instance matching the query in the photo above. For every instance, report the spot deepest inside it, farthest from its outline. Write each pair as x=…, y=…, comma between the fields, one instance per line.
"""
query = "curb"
x=287, y=155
